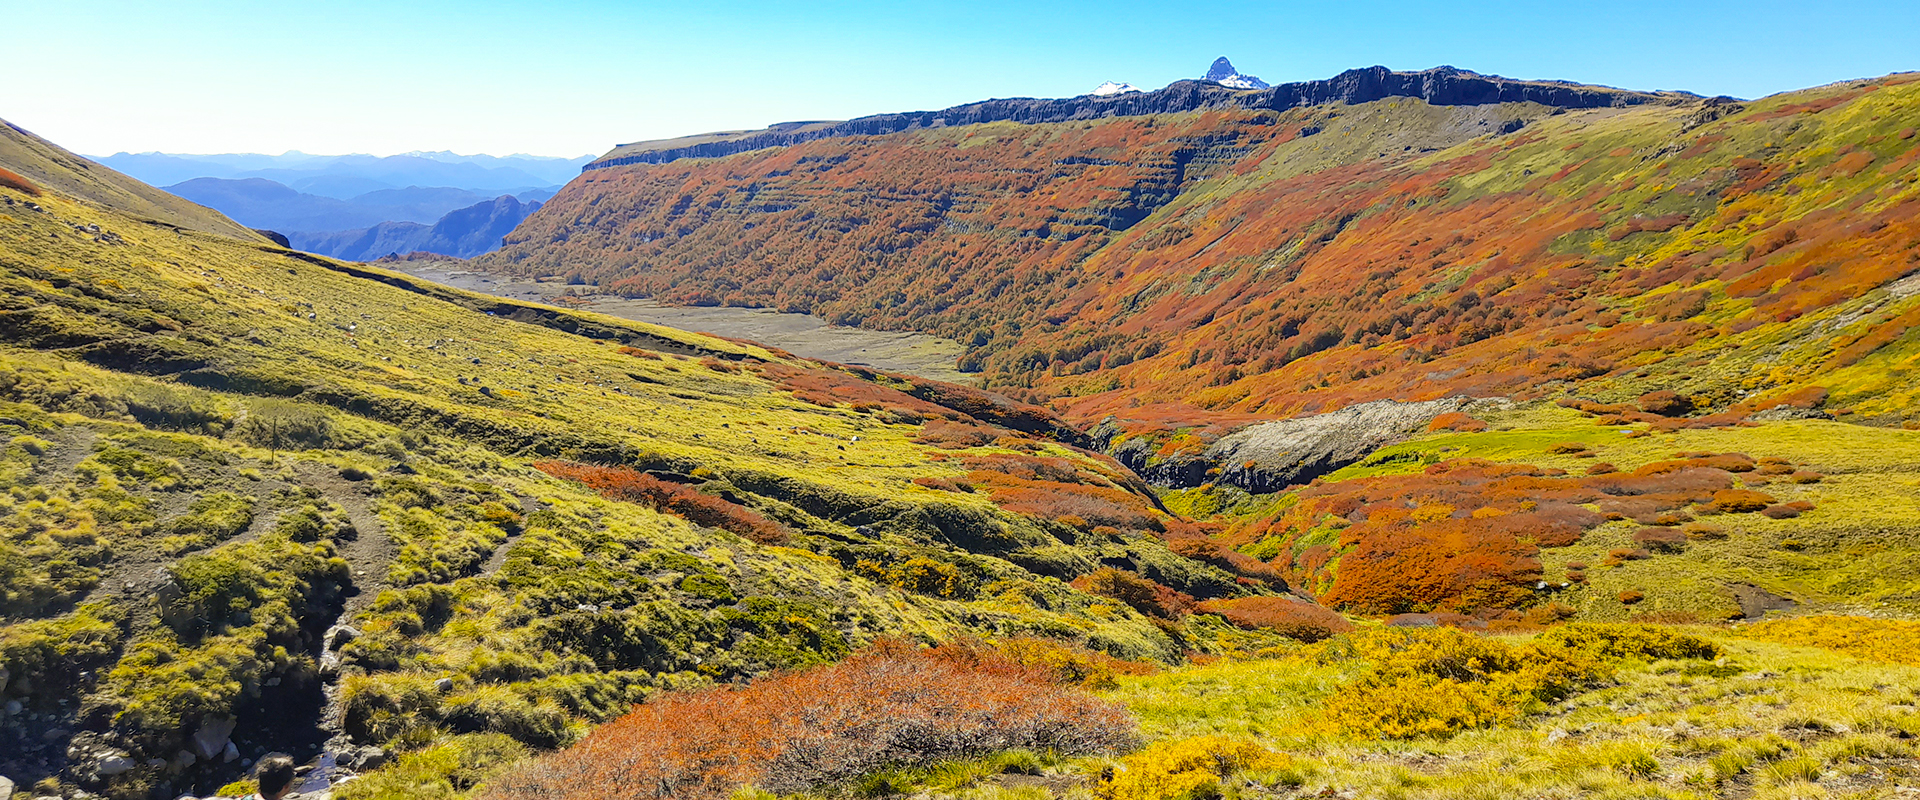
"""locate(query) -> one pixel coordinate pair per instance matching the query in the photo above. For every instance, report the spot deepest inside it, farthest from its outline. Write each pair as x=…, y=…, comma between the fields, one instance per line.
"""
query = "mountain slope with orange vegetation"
x=1204, y=270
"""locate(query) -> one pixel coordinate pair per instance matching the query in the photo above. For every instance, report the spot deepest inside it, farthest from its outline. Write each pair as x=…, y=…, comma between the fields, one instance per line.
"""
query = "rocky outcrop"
x=1439, y=86
x=1271, y=456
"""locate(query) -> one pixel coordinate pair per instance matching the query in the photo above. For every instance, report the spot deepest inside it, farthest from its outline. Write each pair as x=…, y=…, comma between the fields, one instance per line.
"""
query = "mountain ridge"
x=1438, y=86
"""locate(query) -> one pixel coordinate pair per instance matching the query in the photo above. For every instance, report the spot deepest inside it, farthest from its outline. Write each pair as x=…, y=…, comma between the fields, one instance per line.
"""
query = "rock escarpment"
x=1444, y=86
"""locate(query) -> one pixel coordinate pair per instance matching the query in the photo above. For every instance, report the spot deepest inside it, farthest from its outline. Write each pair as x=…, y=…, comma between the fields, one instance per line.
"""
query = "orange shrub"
x=1632, y=596
x=1665, y=403
x=1143, y=594
x=1661, y=540
x=1287, y=617
x=1740, y=501
x=1704, y=532
x=960, y=487
x=950, y=435
x=15, y=181
x=634, y=486
x=889, y=705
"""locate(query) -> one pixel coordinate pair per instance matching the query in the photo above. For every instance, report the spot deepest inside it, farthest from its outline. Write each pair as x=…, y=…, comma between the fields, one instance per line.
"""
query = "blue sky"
x=574, y=77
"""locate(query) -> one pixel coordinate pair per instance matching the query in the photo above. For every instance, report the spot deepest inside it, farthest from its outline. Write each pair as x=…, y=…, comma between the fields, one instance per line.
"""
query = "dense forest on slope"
x=1218, y=267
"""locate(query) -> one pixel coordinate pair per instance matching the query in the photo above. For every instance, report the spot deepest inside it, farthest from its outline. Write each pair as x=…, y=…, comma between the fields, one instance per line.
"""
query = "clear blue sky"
x=573, y=77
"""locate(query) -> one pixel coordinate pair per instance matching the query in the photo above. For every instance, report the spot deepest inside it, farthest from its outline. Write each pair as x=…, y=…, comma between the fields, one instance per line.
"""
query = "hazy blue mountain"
x=348, y=176
x=339, y=187
x=464, y=232
x=262, y=203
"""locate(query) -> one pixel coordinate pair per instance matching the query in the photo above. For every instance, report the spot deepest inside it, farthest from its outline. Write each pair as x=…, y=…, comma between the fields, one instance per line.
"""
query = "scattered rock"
x=114, y=765
x=443, y=686
x=230, y=753
x=1783, y=413
x=211, y=739
x=1755, y=602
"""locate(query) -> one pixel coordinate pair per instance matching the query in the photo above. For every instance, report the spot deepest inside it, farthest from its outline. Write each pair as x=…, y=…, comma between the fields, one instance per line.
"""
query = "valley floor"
x=803, y=335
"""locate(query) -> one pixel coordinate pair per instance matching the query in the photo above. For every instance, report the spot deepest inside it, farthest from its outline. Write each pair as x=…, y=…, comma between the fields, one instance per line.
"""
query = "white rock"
x=211, y=739
x=230, y=753
x=114, y=765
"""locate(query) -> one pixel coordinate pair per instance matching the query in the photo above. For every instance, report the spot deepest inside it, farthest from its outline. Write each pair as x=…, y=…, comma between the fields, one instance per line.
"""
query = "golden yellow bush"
x=1185, y=768
x=1863, y=637
x=1069, y=664
x=1436, y=681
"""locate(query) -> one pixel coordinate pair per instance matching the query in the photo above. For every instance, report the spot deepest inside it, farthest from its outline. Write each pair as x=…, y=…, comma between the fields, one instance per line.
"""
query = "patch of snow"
x=1110, y=89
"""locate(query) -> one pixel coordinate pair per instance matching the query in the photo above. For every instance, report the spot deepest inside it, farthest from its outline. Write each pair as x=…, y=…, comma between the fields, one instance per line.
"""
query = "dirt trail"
x=498, y=558
x=370, y=551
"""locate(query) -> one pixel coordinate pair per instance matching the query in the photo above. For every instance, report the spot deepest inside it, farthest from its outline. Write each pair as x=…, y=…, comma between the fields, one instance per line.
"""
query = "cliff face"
x=1445, y=86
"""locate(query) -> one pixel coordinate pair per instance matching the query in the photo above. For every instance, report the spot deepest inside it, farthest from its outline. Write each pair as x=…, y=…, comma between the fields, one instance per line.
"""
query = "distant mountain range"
x=262, y=203
x=360, y=206
x=349, y=176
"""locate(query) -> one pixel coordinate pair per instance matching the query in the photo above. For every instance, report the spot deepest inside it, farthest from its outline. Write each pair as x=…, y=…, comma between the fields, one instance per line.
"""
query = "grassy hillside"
x=255, y=491
x=1203, y=270
x=52, y=167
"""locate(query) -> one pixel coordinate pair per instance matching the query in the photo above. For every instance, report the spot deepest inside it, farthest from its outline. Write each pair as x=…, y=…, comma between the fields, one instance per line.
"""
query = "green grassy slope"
x=53, y=167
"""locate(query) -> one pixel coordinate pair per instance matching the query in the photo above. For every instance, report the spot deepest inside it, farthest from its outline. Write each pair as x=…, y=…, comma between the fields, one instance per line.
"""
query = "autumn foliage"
x=13, y=180
x=1436, y=681
x=634, y=486
x=890, y=705
x=1285, y=616
x=1507, y=265
x=1465, y=534
x=1142, y=594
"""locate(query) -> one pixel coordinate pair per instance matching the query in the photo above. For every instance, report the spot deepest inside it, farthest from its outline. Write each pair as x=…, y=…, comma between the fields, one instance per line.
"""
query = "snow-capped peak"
x=1110, y=89
x=1223, y=73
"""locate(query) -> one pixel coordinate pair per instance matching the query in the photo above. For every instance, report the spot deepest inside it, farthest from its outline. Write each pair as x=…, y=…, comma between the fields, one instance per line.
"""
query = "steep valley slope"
x=1199, y=271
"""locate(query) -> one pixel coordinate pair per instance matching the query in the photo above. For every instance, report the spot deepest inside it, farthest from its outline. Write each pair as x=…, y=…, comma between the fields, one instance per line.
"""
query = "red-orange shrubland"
x=634, y=486
x=1285, y=616
x=1142, y=594
x=1303, y=292
x=1465, y=534
x=890, y=705
x=15, y=181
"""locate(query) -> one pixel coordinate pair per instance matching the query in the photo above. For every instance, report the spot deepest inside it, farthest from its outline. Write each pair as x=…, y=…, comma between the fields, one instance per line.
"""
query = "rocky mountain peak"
x=1223, y=73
